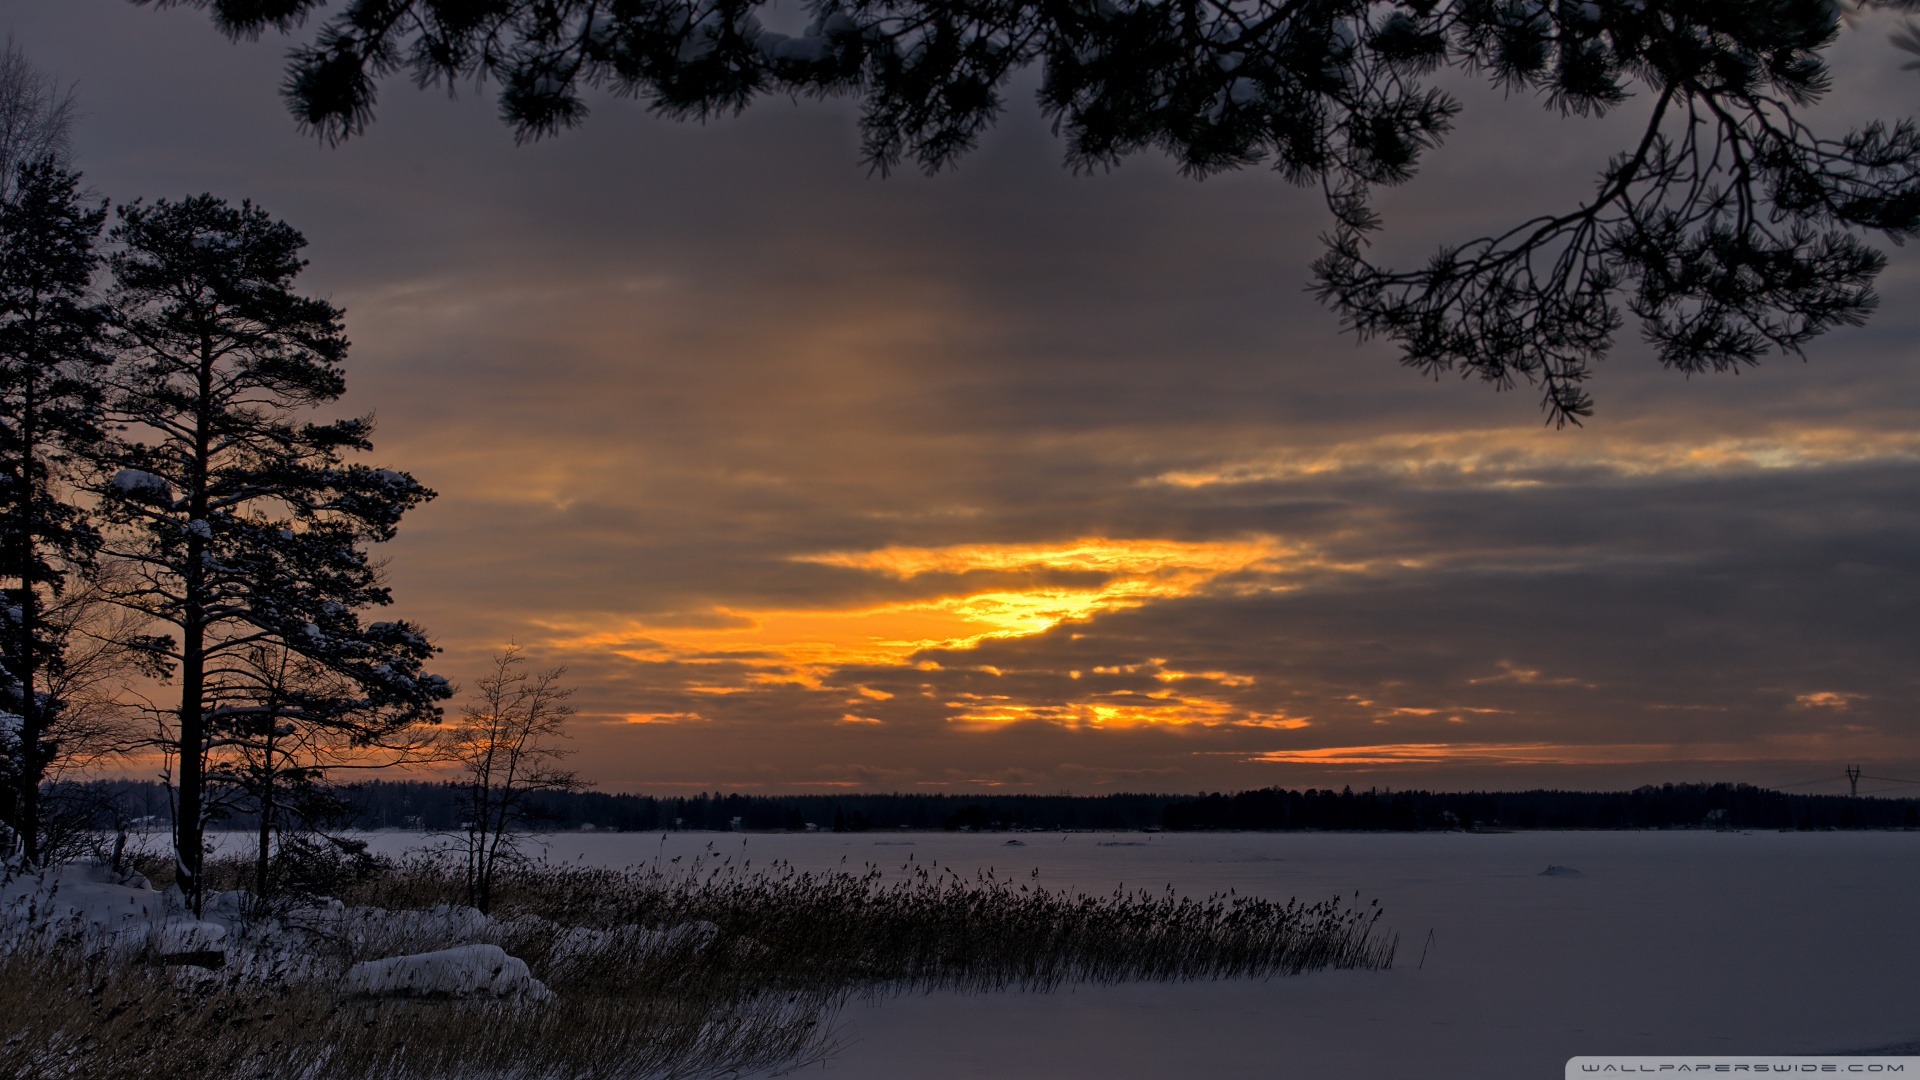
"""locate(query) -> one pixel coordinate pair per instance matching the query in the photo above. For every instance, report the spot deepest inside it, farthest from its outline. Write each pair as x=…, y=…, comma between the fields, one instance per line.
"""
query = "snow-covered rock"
x=698, y=934
x=193, y=941
x=466, y=971
x=448, y=950
x=83, y=903
x=377, y=930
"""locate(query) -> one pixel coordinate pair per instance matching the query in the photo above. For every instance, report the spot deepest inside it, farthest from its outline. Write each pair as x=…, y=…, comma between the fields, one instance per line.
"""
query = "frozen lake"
x=1663, y=943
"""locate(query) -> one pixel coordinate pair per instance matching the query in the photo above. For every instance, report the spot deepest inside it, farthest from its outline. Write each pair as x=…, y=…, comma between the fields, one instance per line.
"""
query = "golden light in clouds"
x=1504, y=455
x=1793, y=746
x=1135, y=558
x=1164, y=708
x=1432, y=754
x=1828, y=699
x=801, y=647
x=1132, y=572
x=1017, y=477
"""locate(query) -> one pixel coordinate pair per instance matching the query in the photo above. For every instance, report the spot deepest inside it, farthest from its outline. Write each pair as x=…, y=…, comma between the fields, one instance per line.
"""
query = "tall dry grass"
x=77, y=1020
x=756, y=986
x=929, y=928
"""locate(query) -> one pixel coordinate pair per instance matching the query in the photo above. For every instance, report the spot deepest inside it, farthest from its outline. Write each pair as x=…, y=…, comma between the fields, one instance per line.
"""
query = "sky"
x=1013, y=479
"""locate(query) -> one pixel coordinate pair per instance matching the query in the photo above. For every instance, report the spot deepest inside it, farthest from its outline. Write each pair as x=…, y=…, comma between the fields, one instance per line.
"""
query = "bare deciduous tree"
x=106, y=651
x=285, y=726
x=36, y=115
x=506, y=746
x=104, y=655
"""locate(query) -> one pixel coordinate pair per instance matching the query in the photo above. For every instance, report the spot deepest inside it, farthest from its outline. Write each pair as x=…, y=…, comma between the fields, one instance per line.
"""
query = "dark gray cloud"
x=657, y=371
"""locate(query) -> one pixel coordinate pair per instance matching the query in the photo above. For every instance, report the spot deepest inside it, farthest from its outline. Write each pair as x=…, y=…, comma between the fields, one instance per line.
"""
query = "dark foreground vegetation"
x=144, y=1021
x=437, y=807
x=772, y=954
x=923, y=927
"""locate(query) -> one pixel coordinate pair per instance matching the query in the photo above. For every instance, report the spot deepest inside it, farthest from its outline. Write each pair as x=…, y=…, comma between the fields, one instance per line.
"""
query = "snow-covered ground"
x=90, y=908
x=1678, y=942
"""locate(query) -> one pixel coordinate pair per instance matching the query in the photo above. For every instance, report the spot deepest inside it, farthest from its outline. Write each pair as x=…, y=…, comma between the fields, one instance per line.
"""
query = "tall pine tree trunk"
x=266, y=813
x=32, y=717
x=189, y=842
x=33, y=722
x=189, y=835
x=49, y=383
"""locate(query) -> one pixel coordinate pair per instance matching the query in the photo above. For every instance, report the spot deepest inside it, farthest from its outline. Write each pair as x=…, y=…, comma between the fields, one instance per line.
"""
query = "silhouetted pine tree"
x=1727, y=227
x=50, y=395
x=243, y=524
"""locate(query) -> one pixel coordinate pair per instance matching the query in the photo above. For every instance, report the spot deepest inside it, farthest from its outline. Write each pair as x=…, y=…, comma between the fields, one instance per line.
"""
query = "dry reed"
x=778, y=951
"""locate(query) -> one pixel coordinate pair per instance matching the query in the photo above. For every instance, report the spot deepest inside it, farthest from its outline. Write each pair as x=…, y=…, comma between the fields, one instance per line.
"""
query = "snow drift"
x=464, y=971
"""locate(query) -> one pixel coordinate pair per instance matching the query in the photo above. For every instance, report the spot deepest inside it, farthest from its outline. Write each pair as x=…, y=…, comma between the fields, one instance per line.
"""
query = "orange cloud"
x=799, y=646
x=1796, y=746
x=1827, y=699
x=1429, y=754
x=1132, y=572
x=1118, y=557
x=1513, y=673
x=1504, y=456
x=662, y=718
x=747, y=650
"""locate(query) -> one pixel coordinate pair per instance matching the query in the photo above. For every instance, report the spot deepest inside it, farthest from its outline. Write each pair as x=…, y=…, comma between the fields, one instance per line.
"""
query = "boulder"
x=466, y=971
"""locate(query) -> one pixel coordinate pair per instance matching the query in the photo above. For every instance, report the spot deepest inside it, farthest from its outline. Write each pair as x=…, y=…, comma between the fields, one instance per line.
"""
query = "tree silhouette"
x=1729, y=229
x=51, y=388
x=506, y=748
x=240, y=524
x=36, y=116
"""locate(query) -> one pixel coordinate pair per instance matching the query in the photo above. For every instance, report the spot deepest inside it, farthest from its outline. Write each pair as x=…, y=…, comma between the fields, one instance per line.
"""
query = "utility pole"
x=1853, y=780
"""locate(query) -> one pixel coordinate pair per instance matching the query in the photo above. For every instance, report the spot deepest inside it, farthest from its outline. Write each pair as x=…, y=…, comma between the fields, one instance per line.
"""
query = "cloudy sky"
x=1015, y=478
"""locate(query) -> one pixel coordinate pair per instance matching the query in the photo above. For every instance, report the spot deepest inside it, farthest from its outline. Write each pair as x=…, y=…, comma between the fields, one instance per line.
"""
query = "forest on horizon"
x=431, y=806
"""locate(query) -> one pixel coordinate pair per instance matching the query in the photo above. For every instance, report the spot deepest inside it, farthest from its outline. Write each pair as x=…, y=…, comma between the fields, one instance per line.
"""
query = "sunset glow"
x=1506, y=456
x=1016, y=479
x=1128, y=573
x=1042, y=541
x=800, y=648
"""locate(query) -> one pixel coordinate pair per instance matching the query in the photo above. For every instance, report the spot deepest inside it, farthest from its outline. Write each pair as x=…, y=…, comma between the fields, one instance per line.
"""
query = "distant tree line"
x=433, y=807
x=1668, y=806
x=385, y=804
x=444, y=807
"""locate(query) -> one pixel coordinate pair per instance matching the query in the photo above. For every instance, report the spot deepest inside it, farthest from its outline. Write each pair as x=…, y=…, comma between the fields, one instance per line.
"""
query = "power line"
x=1808, y=783
x=1853, y=775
